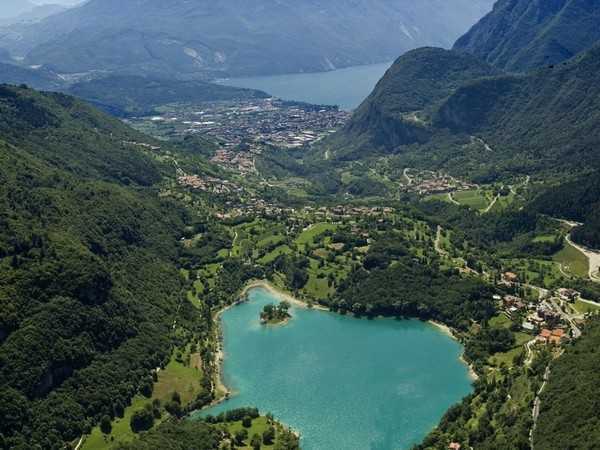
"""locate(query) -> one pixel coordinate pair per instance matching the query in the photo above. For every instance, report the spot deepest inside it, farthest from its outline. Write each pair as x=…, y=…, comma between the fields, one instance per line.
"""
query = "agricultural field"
x=573, y=262
x=474, y=199
x=585, y=308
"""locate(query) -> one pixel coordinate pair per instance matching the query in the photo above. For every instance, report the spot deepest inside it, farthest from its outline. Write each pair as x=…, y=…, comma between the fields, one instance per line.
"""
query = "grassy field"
x=573, y=261
x=270, y=257
x=538, y=272
x=439, y=197
x=308, y=236
x=259, y=425
x=584, y=308
x=508, y=357
x=474, y=199
x=500, y=321
x=175, y=377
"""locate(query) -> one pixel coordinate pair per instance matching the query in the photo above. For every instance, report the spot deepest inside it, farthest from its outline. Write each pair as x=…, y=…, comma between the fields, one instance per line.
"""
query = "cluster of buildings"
x=260, y=207
x=252, y=124
x=143, y=145
x=208, y=184
x=242, y=162
x=426, y=182
x=347, y=211
x=544, y=317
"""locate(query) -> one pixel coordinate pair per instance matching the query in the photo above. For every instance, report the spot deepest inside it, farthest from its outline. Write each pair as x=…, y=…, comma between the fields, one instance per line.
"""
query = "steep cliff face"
x=235, y=37
x=519, y=35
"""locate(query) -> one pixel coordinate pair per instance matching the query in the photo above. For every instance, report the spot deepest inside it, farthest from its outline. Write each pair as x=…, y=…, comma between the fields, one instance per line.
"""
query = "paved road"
x=567, y=317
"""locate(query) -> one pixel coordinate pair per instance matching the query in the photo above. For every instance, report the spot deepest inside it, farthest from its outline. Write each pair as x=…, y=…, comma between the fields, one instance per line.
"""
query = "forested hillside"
x=544, y=122
x=39, y=79
x=569, y=413
x=520, y=35
x=88, y=283
x=399, y=109
x=579, y=201
x=133, y=95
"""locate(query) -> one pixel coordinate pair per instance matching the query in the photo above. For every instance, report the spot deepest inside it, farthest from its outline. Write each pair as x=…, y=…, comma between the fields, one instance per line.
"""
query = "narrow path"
x=529, y=359
x=438, y=243
x=491, y=205
x=590, y=302
x=235, y=236
x=486, y=146
x=451, y=198
x=562, y=271
x=537, y=403
x=405, y=175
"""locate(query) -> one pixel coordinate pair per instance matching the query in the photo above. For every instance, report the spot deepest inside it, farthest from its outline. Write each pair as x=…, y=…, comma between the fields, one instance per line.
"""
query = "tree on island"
x=275, y=313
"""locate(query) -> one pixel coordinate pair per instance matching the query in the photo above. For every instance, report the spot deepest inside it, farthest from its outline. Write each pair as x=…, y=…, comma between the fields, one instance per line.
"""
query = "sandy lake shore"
x=448, y=331
x=262, y=284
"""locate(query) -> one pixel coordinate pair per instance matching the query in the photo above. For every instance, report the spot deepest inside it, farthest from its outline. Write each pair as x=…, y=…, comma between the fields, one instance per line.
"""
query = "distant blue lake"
x=343, y=383
x=346, y=88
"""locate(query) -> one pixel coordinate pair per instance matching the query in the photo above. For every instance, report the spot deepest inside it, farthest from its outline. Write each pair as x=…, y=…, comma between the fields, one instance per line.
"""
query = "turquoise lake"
x=346, y=88
x=343, y=383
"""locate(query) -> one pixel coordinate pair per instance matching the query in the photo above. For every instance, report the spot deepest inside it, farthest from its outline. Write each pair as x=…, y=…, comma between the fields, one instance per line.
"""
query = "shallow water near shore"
x=342, y=383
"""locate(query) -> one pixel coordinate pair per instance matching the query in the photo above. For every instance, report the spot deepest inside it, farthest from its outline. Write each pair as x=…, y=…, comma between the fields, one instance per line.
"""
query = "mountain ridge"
x=520, y=35
x=234, y=37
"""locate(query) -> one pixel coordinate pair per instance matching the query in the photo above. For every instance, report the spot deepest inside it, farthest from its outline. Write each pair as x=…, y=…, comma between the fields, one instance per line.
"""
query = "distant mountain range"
x=12, y=8
x=123, y=95
x=237, y=37
x=545, y=119
x=520, y=35
x=32, y=15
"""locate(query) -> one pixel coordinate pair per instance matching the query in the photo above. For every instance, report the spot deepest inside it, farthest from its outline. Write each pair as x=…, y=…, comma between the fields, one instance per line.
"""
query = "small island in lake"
x=275, y=314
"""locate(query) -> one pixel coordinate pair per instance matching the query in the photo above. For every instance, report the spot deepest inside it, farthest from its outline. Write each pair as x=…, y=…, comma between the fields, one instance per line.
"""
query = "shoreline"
x=218, y=381
x=263, y=284
x=218, y=378
x=452, y=333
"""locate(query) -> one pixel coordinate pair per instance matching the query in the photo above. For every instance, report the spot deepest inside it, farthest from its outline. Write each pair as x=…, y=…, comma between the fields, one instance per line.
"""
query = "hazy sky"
x=59, y=2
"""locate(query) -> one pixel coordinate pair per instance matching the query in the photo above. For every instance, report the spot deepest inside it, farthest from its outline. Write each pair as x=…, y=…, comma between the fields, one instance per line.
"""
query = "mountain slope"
x=126, y=95
x=519, y=35
x=72, y=136
x=33, y=15
x=13, y=8
x=400, y=107
x=569, y=407
x=547, y=120
x=88, y=284
x=235, y=37
x=543, y=122
x=39, y=79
